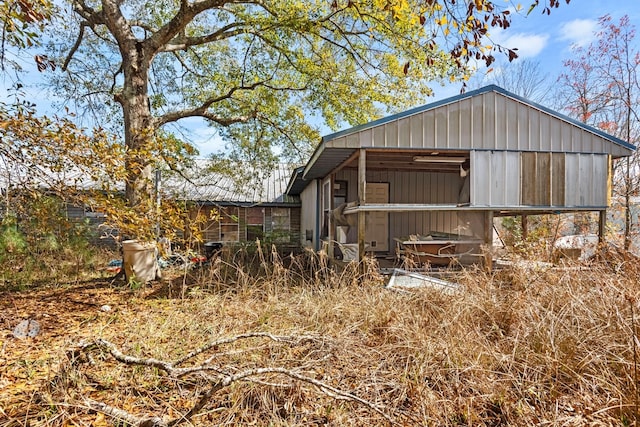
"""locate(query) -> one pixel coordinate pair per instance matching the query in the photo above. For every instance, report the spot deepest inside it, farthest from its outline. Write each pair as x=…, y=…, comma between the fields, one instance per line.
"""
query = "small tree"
x=601, y=88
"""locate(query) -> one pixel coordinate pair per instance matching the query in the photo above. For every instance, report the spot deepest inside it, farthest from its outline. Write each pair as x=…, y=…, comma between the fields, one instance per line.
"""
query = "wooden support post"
x=525, y=226
x=488, y=240
x=602, y=225
x=362, y=189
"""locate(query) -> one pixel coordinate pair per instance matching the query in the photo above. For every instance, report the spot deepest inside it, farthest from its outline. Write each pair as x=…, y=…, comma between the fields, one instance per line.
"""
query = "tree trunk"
x=137, y=132
x=139, y=160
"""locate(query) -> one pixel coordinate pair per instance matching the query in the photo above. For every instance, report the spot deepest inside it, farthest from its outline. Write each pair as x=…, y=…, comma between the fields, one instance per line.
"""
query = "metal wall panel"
x=412, y=187
x=404, y=133
x=308, y=208
x=586, y=180
x=477, y=121
x=415, y=125
x=495, y=178
x=453, y=126
x=391, y=134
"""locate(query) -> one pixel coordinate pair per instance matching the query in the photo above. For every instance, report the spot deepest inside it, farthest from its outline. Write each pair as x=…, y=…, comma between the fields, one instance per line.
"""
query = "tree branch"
x=217, y=382
x=75, y=46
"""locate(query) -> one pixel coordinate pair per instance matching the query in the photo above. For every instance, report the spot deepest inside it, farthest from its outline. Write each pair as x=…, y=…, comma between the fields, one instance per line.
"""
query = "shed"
x=442, y=171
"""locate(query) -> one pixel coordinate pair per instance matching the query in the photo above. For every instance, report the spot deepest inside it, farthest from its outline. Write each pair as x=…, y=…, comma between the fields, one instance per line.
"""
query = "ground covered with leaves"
x=522, y=346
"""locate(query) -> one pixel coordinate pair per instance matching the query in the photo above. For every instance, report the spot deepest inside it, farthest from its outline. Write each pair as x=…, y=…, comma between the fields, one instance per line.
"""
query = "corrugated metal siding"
x=488, y=121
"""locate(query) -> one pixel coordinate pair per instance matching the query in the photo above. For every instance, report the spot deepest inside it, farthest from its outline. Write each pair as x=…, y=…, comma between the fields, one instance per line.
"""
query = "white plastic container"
x=140, y=261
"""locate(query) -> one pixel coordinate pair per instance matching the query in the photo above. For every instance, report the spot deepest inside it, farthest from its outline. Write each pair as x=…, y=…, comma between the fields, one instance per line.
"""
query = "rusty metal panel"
x=557, y=179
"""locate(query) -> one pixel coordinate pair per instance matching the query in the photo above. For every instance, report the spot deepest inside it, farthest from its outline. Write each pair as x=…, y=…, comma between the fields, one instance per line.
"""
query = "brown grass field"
x=302, y=344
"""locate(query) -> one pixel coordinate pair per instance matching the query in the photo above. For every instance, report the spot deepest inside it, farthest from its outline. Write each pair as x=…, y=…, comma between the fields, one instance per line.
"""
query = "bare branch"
x=75, y=46
x=230, y=340
x=222, y=380
x=182, y=43
x=125, y=416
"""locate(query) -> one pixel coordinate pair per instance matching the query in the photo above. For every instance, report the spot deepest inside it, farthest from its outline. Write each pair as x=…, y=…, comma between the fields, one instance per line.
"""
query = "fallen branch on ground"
x=217, y=378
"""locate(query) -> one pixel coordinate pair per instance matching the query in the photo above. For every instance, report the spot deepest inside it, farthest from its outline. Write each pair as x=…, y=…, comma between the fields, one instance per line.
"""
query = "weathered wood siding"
x=488, y=121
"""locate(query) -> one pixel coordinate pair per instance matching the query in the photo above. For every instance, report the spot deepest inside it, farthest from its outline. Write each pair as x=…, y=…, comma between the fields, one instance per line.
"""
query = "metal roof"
x=476, y=120
x=252, y=187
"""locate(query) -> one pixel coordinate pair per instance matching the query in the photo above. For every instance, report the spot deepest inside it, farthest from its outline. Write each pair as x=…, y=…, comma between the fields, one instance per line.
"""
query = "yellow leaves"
x=442, y=21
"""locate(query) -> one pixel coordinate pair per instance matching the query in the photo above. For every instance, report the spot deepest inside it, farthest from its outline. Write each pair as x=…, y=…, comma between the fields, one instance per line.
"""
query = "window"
x=229, y=224
x=255, y=224
x=281, y=224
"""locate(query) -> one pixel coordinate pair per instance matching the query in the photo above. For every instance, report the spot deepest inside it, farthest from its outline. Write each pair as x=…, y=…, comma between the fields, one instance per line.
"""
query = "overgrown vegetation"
x=518, y=346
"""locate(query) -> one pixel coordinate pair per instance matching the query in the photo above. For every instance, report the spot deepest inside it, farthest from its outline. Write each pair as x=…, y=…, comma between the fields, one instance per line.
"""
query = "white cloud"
x=528, y=45
x=579, y=32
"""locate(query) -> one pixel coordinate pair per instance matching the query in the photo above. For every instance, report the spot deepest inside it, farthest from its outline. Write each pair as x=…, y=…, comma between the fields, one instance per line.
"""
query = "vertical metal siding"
x=412, y=187
x=501, y=123
x=495, y=178
x=453, y=126
x=440, y=128
x=404, y=133
x=391, y=134
x=416, y=129
x=308, y=208
x=490, y=121
x=585, y=180
x=477, y=125
x=366, y=138
x=513, y=127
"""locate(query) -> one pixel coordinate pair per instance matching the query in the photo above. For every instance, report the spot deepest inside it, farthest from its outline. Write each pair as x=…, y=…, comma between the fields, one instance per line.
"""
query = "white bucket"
x=140, y=261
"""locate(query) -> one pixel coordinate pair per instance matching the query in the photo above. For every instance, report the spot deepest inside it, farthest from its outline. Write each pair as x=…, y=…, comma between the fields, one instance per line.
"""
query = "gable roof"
x=489, y=118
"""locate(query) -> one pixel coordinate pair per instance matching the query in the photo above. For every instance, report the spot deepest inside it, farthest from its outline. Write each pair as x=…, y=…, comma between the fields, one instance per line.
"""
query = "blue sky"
x=542, y=38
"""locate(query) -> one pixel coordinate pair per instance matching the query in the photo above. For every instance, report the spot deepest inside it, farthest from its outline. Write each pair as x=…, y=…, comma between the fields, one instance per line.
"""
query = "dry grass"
x=519, y=347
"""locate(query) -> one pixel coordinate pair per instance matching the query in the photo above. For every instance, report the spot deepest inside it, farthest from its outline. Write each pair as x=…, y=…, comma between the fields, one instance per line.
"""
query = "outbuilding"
x=432, y=179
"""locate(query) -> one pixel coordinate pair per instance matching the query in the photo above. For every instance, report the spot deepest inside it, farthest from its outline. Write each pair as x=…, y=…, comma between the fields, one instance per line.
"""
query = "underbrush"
x=519, y=346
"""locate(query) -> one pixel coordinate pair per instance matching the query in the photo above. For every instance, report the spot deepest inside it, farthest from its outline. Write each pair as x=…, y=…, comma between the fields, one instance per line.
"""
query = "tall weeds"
x=518, y=347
